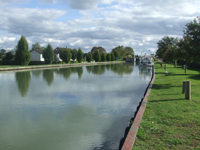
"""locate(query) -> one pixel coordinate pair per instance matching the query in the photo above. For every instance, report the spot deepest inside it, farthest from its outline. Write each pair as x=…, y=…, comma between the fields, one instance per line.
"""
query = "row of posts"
x=186, y=85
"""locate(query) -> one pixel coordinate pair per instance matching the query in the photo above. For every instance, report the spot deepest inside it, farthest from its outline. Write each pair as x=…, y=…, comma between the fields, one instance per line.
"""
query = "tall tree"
x=96, y=56
x=116, y=53
x=112, y=56
x=103, y=57
x=108, y=57
x=164, y=44
x=22, y=56
x=129, y=50
x=48, y=54
x=74, y=53
x=192, y=40
x=66, y=55
x=89, y=57
x=79, y=55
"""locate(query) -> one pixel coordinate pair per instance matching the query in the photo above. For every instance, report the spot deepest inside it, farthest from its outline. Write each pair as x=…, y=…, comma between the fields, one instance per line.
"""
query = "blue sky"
x=139, y=24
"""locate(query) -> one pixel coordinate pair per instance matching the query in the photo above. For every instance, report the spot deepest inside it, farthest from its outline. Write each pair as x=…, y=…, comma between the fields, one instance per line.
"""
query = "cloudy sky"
x=87, y=23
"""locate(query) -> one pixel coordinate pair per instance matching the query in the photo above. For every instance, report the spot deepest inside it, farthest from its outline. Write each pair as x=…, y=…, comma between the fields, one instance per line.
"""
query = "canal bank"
x=129, y=138
x=57, y=66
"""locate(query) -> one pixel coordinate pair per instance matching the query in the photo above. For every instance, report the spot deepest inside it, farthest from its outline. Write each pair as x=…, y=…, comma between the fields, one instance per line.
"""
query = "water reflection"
x=23, y=79
x=79, y=71
x=122, y=68
x=36, y=73
x=48, y=76
x=145, y=71
x=89, y=68
x=66, y=72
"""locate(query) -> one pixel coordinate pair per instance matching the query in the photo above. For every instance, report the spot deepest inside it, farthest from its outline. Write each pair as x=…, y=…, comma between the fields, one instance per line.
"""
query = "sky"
x=84, y=24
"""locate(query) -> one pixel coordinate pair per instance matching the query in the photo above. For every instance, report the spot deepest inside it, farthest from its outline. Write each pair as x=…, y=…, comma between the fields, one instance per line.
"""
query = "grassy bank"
x=170, y=121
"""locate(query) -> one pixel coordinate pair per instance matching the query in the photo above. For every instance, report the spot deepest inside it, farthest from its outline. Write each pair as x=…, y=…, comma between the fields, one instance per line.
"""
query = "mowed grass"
x=170, y=121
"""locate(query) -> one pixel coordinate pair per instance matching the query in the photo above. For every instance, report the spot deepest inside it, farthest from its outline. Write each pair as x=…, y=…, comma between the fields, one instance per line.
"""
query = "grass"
x=170, y=121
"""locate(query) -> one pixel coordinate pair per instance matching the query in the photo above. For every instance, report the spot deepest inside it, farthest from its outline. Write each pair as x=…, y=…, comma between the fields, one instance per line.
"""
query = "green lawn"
x=170, y=121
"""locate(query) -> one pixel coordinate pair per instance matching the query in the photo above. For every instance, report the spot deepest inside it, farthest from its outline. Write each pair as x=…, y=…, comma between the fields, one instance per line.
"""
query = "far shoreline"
x=24, y=68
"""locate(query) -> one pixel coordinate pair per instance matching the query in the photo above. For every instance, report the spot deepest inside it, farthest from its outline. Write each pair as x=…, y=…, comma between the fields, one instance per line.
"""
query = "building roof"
x=38, y=50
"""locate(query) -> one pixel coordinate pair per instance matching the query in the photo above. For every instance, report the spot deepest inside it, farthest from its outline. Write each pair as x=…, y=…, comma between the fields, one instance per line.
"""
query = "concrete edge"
x=56, y=66
x=131, y=136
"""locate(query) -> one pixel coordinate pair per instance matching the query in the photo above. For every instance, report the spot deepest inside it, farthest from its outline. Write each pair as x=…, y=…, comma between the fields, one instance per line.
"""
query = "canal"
x=77, y=108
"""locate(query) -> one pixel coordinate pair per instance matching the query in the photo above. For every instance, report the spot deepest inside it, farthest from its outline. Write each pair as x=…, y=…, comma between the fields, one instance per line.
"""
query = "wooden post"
x=188, y=90
x=185, y=68
x=161, y=65
x=165, y=67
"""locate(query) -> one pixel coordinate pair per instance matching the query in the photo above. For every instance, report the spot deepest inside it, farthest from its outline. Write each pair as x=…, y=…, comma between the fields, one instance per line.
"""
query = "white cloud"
x=139, y=24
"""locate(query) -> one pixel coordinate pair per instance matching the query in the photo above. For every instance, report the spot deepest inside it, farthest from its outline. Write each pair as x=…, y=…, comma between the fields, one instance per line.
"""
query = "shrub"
x=89, y=57
x=79, y=55
x=48, y=54
x=108, y=57
x=103, y=57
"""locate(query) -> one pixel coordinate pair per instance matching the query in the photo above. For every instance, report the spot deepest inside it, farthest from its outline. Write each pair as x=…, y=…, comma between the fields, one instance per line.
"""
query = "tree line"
x=185, y=49
x=22, y=55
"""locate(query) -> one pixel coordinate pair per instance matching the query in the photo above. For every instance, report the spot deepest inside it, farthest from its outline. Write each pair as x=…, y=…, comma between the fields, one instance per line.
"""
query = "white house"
x=57, y=55
x=36, y=55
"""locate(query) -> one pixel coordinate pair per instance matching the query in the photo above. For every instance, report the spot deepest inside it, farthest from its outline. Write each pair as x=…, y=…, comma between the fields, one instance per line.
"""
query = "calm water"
x=79, y=108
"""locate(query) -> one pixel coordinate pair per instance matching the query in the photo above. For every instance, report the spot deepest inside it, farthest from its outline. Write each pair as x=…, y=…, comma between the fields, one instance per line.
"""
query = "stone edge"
x=130, y=139
x=56, y=66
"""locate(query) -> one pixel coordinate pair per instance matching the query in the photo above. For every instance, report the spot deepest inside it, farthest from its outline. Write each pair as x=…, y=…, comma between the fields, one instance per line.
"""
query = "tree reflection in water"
x=48, y=76
x=36, y=73
x=23, y=79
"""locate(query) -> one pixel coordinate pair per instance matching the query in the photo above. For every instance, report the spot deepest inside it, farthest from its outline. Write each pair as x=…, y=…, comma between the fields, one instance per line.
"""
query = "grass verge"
x=170, y=121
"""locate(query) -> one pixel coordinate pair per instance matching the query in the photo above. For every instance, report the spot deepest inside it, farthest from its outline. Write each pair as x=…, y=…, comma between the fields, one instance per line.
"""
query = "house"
x=36, y=55
x=57, y=54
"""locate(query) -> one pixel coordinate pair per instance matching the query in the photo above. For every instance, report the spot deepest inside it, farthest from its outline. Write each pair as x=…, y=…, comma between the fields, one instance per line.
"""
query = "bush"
x=8, y=62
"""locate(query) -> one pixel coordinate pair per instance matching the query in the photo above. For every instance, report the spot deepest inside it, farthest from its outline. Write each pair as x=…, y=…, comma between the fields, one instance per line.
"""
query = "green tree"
x=89, y=57
x=129, y=50
x=66, y=55
x=74, y=53
x=120, y=50
x=192, y=40
x=48, y=54
x=116, y=53
x=9, y=56
x=112, y=56
x=103, y=57
x=37, y=46
x=79, y=55
x=96, y=56
x=22, y=56
x=164, y=44
x=2, y=52
x=108, y=57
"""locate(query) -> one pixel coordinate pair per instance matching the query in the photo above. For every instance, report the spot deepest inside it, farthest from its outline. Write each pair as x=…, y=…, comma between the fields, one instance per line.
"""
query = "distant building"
x=36, y=55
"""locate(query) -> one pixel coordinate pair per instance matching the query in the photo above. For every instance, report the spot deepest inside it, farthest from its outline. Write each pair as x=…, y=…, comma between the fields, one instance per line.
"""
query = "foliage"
x=22, y=56
x=66, y=55
x=112, y=56
x=164, y=44
x=108, y=57
x=2, y=52
x=37, y=46
x=9, y=56
x=96, y=56
x=192, y=40
x=116, y=53
x=48, y=54
x=123, y=51
x=74, y=53
x=89, y=57
x=103, y=57
x=79, y=55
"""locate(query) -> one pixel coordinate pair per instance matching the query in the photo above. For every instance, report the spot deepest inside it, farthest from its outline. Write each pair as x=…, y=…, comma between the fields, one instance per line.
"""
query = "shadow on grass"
x=161, y=86
x=168, y=100
x=171, y=74
x=195, y=77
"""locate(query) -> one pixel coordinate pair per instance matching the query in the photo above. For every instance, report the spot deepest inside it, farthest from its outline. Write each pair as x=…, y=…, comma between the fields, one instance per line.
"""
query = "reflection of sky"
x=83, y=110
